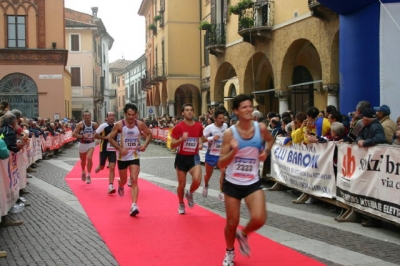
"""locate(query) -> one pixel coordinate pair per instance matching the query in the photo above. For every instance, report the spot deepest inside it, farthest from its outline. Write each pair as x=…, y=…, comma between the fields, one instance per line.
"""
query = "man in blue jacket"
x=372, y=133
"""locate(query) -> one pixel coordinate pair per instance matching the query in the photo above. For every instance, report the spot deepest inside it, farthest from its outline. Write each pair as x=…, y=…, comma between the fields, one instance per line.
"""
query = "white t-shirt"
x=214, y=146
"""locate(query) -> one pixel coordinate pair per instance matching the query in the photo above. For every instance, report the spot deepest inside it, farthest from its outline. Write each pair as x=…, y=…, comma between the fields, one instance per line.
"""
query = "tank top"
x=87, y=133
x=243, y=170
x=129, y=139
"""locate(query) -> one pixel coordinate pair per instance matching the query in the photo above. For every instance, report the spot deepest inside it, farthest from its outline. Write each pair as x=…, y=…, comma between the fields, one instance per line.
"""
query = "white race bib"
x=190, y=145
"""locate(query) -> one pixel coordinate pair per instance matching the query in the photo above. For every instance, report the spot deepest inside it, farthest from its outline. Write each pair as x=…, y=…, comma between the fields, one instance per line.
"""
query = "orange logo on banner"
x=349, y=163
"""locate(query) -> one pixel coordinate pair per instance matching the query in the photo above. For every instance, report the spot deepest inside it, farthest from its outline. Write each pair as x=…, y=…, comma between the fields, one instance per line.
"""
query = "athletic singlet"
x=214, y=146
x=87, y=133
x=105, y=129
x=243, y=170
x=130, y=140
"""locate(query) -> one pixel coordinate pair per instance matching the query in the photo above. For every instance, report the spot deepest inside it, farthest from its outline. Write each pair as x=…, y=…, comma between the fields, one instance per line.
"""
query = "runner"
x=129, y=149
x=241, y=152
x=84, y=132
x=214, y=133
x=107, y=151
x=187, y=135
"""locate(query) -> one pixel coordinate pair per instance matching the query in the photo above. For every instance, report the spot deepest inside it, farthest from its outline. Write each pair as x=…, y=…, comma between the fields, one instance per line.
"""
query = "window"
x=16, y=34
x=75, y=43
x=76, y=76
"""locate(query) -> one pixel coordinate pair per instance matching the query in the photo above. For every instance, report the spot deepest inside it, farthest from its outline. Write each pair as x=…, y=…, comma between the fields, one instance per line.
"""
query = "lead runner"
x=241, y=152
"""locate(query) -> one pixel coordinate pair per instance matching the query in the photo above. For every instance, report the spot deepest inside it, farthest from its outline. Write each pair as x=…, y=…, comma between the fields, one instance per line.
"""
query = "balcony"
x=156, y=74
x=255, y=24
x=321, y=11
x=215, y=39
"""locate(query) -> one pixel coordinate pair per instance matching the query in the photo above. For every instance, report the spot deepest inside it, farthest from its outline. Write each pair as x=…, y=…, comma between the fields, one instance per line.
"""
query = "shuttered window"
x=76, y=76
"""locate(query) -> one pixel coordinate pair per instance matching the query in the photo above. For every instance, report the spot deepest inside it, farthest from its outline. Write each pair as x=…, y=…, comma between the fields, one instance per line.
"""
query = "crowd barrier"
x=367, y=179
x=13, y=169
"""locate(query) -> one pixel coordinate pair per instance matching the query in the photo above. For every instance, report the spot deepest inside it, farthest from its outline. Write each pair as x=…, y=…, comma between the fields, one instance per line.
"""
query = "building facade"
x=33, y=77
x=283, y=52
x=88, y=44
x=172, y=55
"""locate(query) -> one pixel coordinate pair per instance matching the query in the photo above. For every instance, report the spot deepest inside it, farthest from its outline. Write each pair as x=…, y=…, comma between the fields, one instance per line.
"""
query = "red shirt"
x=191, y=145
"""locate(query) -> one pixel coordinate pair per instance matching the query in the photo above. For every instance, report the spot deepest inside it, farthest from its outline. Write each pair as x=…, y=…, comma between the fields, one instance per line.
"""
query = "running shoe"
x=129, y=182
x=121, y=191
x=97, y=170
x=88, y=180
x=134, y=211
x=205, y=191
x=181, y=208
x=111, y=190
x=189, y=197
x=221, y=196
x=83, y=176
x=243, y=243
x=229, y=257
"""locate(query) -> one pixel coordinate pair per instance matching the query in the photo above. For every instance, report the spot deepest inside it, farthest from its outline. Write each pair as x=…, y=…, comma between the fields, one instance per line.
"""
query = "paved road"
x=56, y=230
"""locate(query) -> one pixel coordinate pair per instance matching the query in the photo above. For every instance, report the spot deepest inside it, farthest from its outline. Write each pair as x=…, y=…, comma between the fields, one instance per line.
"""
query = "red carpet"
x=159, y=235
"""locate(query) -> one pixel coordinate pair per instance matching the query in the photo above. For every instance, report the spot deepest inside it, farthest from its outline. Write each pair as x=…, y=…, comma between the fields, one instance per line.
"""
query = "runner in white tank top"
x=84, y=132
x=128, y=148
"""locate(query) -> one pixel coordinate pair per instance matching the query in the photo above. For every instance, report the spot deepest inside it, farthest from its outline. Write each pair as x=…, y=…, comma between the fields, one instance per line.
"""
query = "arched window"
x=302, y=90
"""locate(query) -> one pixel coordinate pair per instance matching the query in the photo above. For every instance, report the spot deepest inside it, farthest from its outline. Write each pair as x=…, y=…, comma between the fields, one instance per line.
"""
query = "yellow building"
x=33, y=78
x=172, y=55
x=284, y=52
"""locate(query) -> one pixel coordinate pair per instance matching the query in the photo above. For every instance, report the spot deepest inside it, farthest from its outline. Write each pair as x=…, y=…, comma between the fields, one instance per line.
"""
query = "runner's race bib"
x=190, y=145
x=131, y=144
x=243, y=168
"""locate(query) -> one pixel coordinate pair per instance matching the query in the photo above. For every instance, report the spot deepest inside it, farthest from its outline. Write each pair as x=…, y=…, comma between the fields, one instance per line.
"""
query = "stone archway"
x=21, y=92
x=187, y=94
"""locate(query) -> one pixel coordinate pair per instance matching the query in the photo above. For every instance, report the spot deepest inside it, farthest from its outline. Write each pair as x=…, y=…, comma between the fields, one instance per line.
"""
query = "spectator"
x=297, y=127
x=356, y=124
x=256, y=116
x=14, y=144
x=372, y=132
x=329, y=109
x=316, y=127
x=396, y=136
x=4, y=152
x=389, y=126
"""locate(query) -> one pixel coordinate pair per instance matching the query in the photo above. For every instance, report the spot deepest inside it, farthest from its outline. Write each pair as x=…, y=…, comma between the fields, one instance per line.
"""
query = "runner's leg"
x=232, y=208
x=134, y=174
x=209, y=172
x=257, y=209
x=89, y=156
x=181, y=184
x=195, y=172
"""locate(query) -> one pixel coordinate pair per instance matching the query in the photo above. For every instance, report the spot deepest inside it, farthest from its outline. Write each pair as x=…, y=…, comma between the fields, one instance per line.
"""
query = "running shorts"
x=84, y=147
x=110, y=155
x=186, y=162
x=238, y=191
x=122, y=165
x=211, y=160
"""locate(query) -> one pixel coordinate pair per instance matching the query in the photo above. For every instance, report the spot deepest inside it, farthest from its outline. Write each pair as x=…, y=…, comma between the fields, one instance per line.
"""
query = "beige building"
x=88, y=44
x=172, y=55
x=33, y=77
x=284, y=52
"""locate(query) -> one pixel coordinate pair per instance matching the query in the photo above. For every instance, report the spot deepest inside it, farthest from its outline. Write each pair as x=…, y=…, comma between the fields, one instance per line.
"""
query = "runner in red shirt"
x=187, y=137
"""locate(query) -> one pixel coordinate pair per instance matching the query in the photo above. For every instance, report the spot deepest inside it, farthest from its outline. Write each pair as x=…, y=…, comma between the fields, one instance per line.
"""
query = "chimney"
x=94, y=11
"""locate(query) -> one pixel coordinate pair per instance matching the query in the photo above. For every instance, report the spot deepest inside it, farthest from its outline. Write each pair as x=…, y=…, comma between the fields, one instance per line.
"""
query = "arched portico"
x=187, y=93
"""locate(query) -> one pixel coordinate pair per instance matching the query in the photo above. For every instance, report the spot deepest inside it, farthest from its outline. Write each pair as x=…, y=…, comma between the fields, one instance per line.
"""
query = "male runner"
x=128, y=150
x=214, y=133
x=242, y=151
x=84, y=132
x=187, y=135
x=107, y=151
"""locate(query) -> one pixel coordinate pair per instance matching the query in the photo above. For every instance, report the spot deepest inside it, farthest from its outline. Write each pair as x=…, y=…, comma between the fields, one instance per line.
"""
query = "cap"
x=369, y=113
x=384, y=109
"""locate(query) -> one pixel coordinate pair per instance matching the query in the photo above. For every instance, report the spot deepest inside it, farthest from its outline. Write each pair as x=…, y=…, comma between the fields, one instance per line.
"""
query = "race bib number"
x=244, y=167
x=216, y=146
x=110, y=147
x=190, y=145
x=131, y=144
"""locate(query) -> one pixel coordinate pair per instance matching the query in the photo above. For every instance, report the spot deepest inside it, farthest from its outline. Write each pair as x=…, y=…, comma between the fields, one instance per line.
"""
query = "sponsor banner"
x=308, y=168
x=369, y=179
x=9, y=183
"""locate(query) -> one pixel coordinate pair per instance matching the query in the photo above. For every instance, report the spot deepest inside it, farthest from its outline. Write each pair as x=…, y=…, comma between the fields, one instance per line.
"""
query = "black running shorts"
x=240, y=192
x=124, y=164
x=186, y=162
x=111, y=155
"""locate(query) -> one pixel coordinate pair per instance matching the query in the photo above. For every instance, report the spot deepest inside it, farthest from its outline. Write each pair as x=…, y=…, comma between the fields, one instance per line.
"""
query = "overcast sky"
x=122, y=22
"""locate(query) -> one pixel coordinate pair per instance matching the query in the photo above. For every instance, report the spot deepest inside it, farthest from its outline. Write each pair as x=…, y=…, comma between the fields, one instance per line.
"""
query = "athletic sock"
x=232, y=249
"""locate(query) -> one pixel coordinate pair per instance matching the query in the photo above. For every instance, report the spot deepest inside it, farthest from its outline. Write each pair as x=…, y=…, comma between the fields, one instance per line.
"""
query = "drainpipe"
x=201, y=51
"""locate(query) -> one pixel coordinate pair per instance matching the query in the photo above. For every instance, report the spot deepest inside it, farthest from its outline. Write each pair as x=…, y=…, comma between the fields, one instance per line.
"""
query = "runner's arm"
x=148, y=133
x=229, y=149
x=76, y=131
x=99, y=130
x=113, y=134
x=269, y=141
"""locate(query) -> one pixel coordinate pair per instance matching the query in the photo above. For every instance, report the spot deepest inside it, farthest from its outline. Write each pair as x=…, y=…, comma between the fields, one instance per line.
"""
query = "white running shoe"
x=88, y=180
x=221, y=196
x=243, y=243
x=205, y=191
x=129, y=182
x=229, y=257
x=189, y=197
x=181, y=208
x=134, y=210
x=111, y=190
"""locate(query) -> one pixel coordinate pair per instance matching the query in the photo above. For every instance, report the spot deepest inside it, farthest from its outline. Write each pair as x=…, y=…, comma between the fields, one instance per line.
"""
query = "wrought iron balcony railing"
x=216, y=39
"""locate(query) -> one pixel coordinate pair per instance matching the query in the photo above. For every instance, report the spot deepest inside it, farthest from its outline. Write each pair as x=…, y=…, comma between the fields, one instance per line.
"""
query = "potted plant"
x=246, y=22
x=158, y=18
x=205, y=25
x=242, y=5
x=153, y=27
